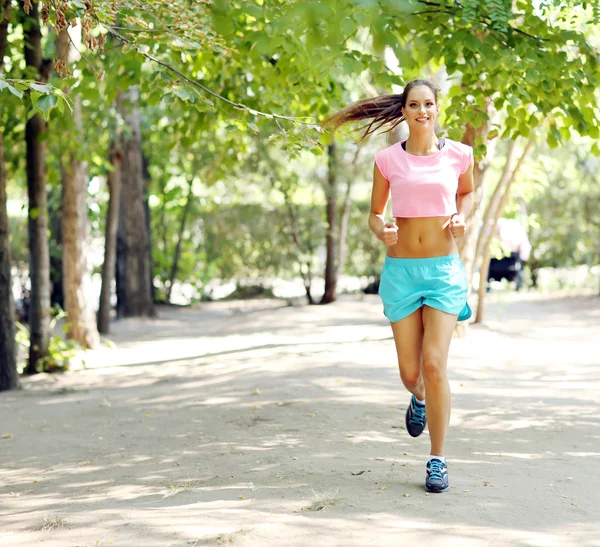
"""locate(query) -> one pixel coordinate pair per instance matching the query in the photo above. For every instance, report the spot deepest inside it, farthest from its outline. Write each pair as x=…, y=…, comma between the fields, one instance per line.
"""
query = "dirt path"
x=256, y=425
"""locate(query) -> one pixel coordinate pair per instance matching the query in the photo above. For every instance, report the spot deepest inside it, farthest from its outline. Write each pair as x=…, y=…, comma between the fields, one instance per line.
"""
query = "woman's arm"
x=464, y=201
x=465, y=195
x=380, y=194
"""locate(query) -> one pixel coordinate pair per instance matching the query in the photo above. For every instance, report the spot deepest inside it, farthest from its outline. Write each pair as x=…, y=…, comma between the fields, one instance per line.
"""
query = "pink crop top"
x=424, y=186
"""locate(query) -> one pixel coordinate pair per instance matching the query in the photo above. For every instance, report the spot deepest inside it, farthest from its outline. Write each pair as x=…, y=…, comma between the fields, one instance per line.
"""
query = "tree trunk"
x=9, y=378
x=39, y=264
x=345, y=215
x=146, y=181
x=57, y=297
x=113, y=179
x=331, y=273
x=467, y=244
x=175, y=265
x=77, y=278
x=496, y=214
x=134, y=267
x=485, y=235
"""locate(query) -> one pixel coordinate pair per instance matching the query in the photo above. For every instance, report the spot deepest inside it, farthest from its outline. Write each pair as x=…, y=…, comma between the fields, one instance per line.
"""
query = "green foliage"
x=244, y=242
x=61, y=351
x=562, y=192
x=40, y=98
x=365, y=253
x=220, y=81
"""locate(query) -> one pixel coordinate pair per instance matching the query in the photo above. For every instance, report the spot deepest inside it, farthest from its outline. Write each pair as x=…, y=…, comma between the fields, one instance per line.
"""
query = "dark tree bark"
x=39, y=263
x=134, y=267
x=9, y=378
x=110, y=241
x=57, y=297
x=184, y=216
x=331, y=273
x=146, y=184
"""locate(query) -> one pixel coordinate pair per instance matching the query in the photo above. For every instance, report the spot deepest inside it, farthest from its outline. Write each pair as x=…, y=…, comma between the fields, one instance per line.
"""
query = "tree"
x=9, y=378
x=81, y=320
x=332, y=239
x=35, y=134
x=492, y=214
x=134, y=266
x=113, y=178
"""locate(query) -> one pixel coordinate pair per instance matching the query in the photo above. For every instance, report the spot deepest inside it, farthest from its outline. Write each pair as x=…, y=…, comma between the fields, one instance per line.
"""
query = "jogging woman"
x=423, y=282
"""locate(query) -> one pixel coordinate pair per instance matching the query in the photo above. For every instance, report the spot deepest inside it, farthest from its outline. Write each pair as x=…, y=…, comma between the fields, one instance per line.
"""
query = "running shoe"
x=416, y=420
x=437, y=476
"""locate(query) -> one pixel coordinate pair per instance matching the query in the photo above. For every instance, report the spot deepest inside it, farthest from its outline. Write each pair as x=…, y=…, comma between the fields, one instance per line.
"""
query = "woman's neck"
x=422, y=144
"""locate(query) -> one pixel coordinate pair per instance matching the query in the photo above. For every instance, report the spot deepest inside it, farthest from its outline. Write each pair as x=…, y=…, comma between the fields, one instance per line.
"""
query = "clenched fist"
x=457, y=225
x=389, y=234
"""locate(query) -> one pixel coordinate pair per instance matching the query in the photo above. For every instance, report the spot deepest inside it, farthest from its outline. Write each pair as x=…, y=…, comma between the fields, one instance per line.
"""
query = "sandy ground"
x=253, y=424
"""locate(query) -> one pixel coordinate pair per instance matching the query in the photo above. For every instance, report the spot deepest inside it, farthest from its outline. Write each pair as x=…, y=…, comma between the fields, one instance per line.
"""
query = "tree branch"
x=81, y=55
x=149, y=30
x=239, y=106
x=460, y=6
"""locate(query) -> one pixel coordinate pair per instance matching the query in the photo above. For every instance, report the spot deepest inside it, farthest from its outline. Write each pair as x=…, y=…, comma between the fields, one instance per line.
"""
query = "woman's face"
x=421, y=109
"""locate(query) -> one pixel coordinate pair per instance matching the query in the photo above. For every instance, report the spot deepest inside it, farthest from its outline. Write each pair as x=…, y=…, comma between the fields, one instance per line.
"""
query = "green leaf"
x=182, y=94
x=46, y=102
x=552, y=141
x=41, y=88
x=14, y=90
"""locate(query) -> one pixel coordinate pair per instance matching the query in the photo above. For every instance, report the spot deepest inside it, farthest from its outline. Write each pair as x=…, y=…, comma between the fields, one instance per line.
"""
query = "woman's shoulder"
x=459, y=147
x=389, y=151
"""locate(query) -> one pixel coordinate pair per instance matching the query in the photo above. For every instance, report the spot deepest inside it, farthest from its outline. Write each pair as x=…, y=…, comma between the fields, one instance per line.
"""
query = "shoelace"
x=418, y=414
x=435, y=469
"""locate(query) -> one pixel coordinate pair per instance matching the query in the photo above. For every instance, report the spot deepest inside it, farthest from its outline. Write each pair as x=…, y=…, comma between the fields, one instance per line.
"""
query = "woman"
x=423, y=283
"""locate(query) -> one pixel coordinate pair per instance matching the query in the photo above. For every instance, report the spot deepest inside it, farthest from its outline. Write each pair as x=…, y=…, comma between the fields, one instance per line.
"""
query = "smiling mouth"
x=422, y=119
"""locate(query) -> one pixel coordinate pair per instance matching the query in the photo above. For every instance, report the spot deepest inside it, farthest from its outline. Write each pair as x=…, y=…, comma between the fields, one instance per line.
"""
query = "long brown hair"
x=383, y=110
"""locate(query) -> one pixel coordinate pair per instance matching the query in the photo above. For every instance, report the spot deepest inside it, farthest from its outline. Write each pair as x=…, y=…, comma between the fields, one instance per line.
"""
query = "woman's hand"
x=389, y=234
x=457, y=225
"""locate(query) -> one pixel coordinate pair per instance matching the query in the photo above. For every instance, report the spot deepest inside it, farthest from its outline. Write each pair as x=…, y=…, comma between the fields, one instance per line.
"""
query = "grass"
x=322, y=499
x=53, y=523
x=234, y=537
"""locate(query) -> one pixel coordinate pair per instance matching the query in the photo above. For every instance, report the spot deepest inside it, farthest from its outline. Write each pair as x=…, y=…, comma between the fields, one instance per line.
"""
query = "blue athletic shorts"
x=409, y=283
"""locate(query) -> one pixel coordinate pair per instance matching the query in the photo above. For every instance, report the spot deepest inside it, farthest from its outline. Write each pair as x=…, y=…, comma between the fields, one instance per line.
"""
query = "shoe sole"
x=437, y=490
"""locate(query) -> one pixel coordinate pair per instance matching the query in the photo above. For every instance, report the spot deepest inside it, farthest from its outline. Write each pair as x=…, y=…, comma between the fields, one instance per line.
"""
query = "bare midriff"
x=423, y=238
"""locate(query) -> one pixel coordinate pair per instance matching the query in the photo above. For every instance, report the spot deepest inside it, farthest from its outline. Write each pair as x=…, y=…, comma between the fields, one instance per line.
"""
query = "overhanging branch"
x=195, y=83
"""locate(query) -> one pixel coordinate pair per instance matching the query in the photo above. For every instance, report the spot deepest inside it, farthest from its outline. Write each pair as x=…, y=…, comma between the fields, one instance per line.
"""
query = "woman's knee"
x=410, y=376
x=434, y=369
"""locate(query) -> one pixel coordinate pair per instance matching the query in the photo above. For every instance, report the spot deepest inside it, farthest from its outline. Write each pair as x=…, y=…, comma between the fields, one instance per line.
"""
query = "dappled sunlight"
x=239, y=445
x=518, y=455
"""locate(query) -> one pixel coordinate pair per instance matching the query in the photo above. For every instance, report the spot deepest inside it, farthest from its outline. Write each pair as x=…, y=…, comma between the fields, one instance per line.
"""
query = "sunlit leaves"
x=43, y=97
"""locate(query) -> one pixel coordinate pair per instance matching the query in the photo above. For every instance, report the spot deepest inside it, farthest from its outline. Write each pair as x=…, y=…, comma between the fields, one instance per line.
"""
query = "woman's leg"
x=438, y=328
x=408, y=337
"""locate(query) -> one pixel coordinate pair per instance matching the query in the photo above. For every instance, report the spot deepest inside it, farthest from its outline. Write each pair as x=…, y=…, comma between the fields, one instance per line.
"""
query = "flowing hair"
x=382, y=110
